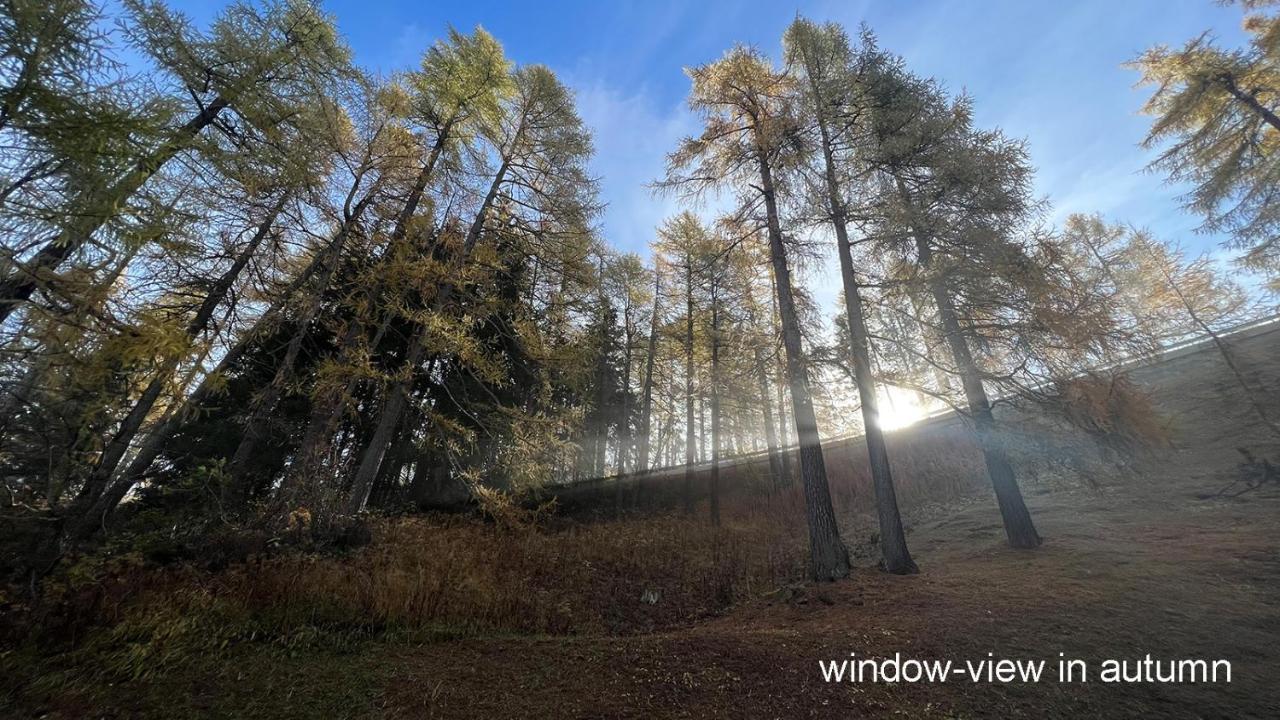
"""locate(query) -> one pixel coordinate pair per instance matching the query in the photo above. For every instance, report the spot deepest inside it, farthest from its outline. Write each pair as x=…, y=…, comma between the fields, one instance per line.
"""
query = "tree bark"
x=828, y=557
x=784, y=452
x=1018, y=525
x=893, y=539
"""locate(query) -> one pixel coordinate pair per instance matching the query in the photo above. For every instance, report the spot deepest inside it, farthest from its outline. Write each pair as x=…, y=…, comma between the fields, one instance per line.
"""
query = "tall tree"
x=824, y=60
x=683, y=241
x=960, y=194
x=540, y=147
x=651, y=351
x=246, y=64
x=747, y=144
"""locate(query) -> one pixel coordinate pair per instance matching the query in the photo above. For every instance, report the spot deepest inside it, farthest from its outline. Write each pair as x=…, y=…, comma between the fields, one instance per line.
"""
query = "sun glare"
x=900, y=408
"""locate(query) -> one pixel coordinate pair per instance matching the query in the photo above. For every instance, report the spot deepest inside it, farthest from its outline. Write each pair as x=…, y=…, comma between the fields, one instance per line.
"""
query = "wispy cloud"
x=632, y=132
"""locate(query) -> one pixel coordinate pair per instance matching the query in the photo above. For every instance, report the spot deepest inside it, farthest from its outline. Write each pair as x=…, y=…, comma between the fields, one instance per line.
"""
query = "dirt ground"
x=1123, y=573
x=1143, y=567
x=1144, y=564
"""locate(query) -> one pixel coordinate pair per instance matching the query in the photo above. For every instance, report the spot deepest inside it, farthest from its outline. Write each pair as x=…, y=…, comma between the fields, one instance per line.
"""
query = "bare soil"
x=1143, y=567
x=1156, y=563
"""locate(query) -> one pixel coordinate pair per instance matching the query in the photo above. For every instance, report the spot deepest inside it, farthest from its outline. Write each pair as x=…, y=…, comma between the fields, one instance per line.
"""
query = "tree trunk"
x=88, y=522
x=256, y=429
x=784, y=452
x=22, y=281
x=828, y=557
x=328, y=412
x=601, y=401
x=893, y=540
x=624, y=422
x=1018, y=526
x=690, y=448
x=646, y=402
x=119, y=444
x=770, y=437
x=715, y=411
x=703, y=453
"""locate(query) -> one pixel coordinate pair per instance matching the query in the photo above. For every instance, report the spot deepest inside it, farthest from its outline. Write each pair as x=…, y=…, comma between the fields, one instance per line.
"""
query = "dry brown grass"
x=501, y=571
x=423, y=577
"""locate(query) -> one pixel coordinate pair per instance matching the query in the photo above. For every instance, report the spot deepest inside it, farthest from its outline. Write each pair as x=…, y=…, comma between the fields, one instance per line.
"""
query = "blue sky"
x=1046, y=71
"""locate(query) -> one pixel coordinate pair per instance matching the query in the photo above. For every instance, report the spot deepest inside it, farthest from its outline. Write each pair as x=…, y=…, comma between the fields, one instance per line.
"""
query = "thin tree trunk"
x=1224, y=351
x=256, y=427
x=624, y=423
x=715, y=411
x=690, y=448
x=1018, y=525
x=893, y=540
x=703, y=453
x=770, y=437
x=601, y=401
x=828, y=557
x=646, y=402
x=119, y=444
x=157, y=438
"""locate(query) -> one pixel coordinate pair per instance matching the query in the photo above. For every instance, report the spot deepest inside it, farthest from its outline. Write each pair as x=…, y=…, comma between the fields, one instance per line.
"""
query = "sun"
x=901, y=408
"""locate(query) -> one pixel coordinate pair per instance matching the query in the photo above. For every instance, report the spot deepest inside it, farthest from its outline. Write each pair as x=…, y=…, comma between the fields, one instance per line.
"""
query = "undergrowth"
x=120, y=617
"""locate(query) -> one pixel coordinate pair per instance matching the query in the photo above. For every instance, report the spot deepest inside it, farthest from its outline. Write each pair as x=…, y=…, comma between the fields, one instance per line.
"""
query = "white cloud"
x=633, y=133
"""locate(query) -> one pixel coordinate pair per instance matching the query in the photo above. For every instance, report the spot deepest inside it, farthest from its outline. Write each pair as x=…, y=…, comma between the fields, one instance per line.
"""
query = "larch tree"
x=833, y=102
x=1217, y=127
x=748, y=145
x=645, y=446
x=539, y=148
x=955, y=195
x=259, y=64
x=683, y=242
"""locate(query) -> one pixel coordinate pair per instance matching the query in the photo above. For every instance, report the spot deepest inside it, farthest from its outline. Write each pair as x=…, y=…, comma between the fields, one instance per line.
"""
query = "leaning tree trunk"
x=22, y=281
x=1249, y=100
x=893, y=540
x=115, y=450
x=828, y=557
x=393, y=410
x=257, y=426
x=88, y=522
x=1018, y=525
x=328, y=410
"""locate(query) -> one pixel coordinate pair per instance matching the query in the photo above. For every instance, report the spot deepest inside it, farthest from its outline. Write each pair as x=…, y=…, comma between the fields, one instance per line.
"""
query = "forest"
x=324, y=387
